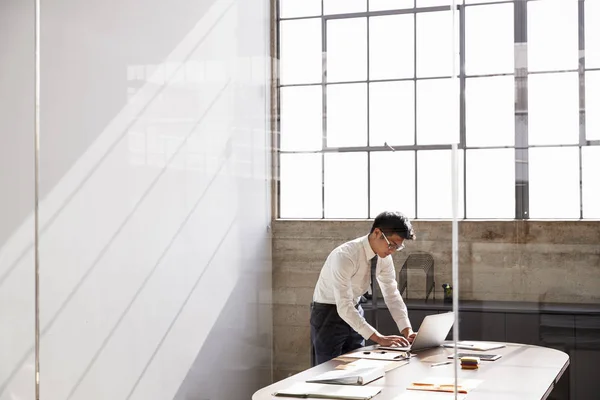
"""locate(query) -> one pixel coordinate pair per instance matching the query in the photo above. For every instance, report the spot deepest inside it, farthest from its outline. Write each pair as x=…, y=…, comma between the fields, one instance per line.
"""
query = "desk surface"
x=524, y=372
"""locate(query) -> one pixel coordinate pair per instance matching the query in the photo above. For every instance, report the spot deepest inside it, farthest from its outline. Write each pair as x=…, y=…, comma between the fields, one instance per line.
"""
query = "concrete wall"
x=155, y=200
x=503, y=260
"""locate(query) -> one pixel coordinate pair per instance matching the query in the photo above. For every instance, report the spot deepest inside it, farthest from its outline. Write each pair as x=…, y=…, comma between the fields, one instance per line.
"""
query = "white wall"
x=155, y=266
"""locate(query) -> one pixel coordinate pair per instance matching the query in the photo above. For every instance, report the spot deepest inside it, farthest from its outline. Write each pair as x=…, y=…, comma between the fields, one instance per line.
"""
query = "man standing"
x=337, y=323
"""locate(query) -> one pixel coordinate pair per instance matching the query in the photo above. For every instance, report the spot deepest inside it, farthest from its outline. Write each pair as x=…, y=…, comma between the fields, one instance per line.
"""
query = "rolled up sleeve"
x=342, y=269
x=391, y=295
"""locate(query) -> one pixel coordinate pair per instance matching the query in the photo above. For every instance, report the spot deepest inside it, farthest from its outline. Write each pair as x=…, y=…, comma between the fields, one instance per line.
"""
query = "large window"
x=369, y=108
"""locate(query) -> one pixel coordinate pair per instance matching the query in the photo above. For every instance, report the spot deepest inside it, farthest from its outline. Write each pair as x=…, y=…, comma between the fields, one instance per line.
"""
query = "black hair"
x=391, y=222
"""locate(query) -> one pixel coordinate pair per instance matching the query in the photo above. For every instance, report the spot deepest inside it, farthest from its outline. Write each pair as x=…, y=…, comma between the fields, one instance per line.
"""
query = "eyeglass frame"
x=392, y=247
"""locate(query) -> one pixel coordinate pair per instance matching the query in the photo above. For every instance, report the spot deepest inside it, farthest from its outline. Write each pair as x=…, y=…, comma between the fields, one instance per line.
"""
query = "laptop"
x=432, y=333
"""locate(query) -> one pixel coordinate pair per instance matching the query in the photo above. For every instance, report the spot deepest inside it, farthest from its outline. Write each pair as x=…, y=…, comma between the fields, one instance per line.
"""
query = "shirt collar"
x=367, y=246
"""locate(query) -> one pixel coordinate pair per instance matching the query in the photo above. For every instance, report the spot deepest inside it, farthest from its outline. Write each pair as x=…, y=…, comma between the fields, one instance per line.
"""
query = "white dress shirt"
x=346, y=275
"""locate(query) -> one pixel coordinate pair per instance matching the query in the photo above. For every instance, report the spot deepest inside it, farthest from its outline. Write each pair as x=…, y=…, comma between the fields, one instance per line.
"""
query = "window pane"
x=433, y=3
x=347, y=115
x=592, y=105
x=490, y=111
x=379, y=5
x=387, y=191
x=343, y=6
x=437, y=111
x=434, y=184
x=491, y=183
x=295, y=8
x=434, y=44
x=391, y=47
x=489, y=39
x=301, y=186
x=552, y=33
x=347, y=50
x=346, y=185
x=590, y=164
x=554, y=182
x=300, y=51
x=592, y=34
x=392, y=113
x=554, y=108
x=301, y=118
x=479, y=1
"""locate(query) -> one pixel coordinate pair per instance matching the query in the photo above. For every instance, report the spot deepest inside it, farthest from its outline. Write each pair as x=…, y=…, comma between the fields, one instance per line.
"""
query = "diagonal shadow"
x=112, y=239
x=198, y=280
x=51, y=220
x=225, y=157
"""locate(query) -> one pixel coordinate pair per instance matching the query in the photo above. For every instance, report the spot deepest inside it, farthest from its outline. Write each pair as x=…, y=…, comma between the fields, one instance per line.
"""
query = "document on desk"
x=480, y=346
x=319, y=391
x=365, y=362
x=379, y=355
x=442, y=384
x=352, y=376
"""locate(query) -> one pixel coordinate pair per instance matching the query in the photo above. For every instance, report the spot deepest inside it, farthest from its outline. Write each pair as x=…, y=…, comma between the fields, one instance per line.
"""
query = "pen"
x=441, y=363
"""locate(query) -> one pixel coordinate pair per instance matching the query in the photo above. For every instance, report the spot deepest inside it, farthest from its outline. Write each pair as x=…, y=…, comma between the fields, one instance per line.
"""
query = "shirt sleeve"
x=342, y=268
x=391, y=295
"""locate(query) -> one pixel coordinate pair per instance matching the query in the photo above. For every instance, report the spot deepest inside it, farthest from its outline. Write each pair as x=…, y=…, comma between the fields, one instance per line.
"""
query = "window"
x=370, y=107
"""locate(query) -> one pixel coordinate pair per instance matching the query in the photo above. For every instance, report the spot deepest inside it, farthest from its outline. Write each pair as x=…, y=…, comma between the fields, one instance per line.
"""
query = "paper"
x=365, y=362
x=318, y=391
x=351, y=376
x=419, y=395
x=441, y=384
x=481, y=346
x=379, y=355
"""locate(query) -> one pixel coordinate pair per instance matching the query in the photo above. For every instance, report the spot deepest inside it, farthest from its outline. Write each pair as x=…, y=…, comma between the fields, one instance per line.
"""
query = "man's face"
x=384, y=245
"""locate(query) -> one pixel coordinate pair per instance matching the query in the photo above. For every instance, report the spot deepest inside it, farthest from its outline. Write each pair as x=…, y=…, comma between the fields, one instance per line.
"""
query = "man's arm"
x=342, y=269
x=393, y=300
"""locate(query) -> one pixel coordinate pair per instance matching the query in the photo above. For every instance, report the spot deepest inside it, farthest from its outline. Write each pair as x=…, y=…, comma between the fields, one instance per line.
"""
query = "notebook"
x=481, y=346
x=319, y=391
x=379, y=355
x=353, y=376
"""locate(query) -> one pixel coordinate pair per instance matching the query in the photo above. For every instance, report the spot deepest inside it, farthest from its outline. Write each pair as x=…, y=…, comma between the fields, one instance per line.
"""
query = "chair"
x=421, y=261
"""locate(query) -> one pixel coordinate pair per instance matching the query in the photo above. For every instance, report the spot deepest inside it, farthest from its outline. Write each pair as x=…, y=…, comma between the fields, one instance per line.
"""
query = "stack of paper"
x=365, y=362
x=352, y=376
x=440, y=384
x=313, y=390
x=379, y=355
x=481, y=346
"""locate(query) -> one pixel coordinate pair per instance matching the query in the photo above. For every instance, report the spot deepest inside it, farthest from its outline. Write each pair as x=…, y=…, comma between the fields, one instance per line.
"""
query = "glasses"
x=393, y=247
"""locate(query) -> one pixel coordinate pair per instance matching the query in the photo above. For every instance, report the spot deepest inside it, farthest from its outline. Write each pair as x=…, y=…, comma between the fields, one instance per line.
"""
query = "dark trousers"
x=330, y=335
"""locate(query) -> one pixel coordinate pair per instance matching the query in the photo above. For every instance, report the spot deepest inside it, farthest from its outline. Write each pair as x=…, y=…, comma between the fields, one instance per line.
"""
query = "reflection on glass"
x=346, y=185
x=347, y=50
x=379, y=5
x=592, y=34
x=399, y=196
x=295, y=8
x=590, y=164
x=491, y=183
x=343, y=6
x=301, y=186
x=434, y=184
x=347, y=115
x=490, y=111
x=300, y=51
x=552, y=34
x=391, y=47
x=301, y=118
x=592, y=105
x=554, y=108
x=437, y=111
x=554, y=182
x=392, y=113
x=434, y=44
x=489, y=39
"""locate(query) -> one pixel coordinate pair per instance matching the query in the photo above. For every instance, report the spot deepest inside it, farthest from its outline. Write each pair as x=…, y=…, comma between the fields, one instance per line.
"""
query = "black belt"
x=326, y=305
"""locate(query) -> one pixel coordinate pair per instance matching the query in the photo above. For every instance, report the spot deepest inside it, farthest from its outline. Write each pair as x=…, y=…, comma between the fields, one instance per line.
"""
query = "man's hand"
x=409, y=334
x=389, y=341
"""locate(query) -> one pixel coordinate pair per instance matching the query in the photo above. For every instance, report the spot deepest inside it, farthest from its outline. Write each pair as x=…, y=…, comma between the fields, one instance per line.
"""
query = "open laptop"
x=432, y=333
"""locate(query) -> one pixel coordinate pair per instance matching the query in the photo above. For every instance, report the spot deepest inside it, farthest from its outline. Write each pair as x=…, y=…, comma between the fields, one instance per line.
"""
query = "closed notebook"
x=354, y=376
x=319, y=391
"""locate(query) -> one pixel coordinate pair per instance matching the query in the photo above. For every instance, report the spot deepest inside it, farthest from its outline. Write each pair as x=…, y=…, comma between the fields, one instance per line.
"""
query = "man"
x=337, y=323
